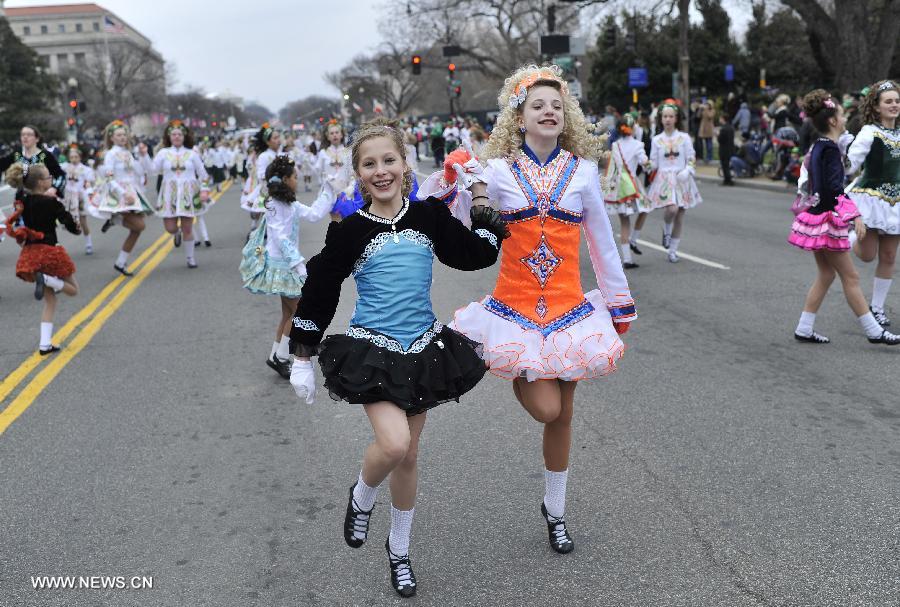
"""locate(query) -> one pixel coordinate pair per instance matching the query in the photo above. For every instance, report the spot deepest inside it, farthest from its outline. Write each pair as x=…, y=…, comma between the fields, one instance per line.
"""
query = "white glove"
x=303, y=378
x=844, y=142
x=469, y=173
x=684, y=175
x=338, y=183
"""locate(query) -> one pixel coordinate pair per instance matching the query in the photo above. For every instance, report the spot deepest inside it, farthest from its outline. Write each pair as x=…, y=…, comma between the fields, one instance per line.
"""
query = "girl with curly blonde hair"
x=539, y=328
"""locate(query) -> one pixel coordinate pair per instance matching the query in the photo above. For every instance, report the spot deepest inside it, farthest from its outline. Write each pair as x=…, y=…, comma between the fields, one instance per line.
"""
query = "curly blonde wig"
x=577, y=136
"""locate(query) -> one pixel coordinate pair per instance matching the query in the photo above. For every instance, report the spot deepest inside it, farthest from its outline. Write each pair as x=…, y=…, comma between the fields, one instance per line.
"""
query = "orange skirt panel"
x=539, y=275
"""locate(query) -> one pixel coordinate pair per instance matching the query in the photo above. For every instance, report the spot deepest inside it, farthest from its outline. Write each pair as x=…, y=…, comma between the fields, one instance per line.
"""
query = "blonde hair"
x=110, y=130
x=577, y=136
x=16, y=176
x=380, y=127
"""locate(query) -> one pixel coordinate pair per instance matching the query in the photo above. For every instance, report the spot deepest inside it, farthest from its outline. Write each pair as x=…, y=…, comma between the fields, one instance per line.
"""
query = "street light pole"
x=684, y=58
x=73, y=103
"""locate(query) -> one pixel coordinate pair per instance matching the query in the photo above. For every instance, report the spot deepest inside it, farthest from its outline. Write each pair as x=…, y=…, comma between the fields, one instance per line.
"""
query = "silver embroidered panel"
x=383, y=341
x=489, y=236
x=377, y=243
x=306, y=325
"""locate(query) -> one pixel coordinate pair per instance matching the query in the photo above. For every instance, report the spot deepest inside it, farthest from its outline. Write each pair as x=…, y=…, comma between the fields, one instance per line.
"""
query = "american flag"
x=111, y=26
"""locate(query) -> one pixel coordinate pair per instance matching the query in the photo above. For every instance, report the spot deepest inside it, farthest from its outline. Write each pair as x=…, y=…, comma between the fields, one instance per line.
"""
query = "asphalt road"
x=724, y=464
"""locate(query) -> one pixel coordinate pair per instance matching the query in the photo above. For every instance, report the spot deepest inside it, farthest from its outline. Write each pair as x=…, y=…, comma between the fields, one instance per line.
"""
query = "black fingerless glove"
x=489, y=219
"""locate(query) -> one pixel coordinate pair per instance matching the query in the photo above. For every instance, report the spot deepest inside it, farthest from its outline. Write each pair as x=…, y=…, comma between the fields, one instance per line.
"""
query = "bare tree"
x=495, y=36
x=852, y=40
x=122, y=80
x=384, y=76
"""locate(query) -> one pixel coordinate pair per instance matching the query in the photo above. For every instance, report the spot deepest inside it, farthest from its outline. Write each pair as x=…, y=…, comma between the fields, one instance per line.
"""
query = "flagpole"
x=106, y=44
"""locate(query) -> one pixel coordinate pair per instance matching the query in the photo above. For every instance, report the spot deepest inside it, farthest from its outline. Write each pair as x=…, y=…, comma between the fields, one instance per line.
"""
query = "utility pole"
x=684, y=57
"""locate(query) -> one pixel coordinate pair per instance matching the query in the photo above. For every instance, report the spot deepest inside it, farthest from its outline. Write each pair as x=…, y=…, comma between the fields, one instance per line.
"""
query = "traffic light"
x=416, y=64
x=630, y=41
x=609, y=36
x=74, y=105
x=71, y=122
x=457, y=91
x=452, y=69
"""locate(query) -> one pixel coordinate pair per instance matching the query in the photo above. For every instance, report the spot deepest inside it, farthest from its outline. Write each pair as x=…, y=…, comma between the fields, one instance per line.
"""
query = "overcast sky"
x=273, y=51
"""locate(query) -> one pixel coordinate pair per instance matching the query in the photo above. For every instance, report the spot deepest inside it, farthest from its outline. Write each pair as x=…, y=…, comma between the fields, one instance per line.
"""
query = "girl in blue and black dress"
x=396, y=359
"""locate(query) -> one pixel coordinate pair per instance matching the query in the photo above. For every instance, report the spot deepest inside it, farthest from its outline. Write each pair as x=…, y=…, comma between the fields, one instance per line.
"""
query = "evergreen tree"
x=779, y=44
x=27, y=93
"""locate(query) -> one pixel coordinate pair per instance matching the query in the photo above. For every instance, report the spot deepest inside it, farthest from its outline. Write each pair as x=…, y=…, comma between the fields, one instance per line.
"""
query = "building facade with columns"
x=72, y=35
x=83, y=41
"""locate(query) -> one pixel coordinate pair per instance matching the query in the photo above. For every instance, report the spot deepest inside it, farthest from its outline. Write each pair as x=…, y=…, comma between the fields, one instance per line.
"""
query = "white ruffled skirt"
x=587, y=348
x=877, y=214
x=666, y=190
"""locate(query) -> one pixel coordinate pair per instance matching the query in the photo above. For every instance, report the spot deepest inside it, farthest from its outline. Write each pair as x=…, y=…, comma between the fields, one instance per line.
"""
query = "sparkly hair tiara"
x=886, y=86
x=115, y=124
x=175, y=125
x=520, y=93
x=670, y=103
x=829, y=103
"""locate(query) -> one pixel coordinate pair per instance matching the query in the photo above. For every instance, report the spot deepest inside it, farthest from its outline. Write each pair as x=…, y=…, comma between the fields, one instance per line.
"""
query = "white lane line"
x=694, y=258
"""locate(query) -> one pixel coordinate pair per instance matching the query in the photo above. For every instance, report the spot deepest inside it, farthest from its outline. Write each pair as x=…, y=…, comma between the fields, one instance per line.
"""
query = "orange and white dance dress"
x=539, y=323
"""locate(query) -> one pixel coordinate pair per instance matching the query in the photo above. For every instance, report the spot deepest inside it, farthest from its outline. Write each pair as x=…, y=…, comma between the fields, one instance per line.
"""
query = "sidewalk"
x=710, y=174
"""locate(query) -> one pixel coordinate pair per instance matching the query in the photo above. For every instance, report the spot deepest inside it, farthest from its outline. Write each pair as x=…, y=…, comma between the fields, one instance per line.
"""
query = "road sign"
x=729, y=73
x=637, y=77
x=566, y=62
x=556, y=44
x=575, y=89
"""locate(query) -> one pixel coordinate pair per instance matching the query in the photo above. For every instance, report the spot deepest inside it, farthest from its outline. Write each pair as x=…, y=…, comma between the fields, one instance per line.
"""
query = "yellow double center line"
x=153, y=256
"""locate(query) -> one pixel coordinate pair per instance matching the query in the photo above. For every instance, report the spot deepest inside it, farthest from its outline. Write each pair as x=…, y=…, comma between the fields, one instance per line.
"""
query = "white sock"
x=275, y=345
x=189, y=249
x=401, y=527
x=364, y=495
x=54, y=283
x=805, y=326
x=555, y=492
x=635, y=235
x=880, y=290
x=284, y=347
x=673, y=245
x=46, y=335
x=667, y=228
x=122, y=259
x=626, y=253
x=870, y=325
x=87, y=240
x=202, y=225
